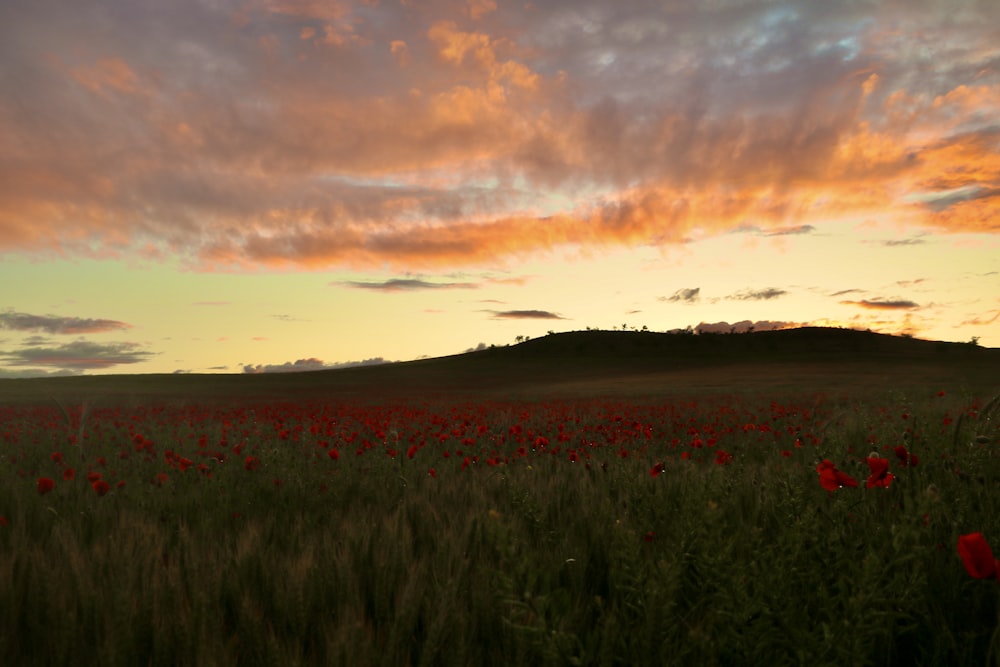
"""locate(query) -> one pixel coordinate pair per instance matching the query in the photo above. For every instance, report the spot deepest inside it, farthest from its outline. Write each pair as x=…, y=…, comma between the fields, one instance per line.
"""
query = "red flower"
x=93, y=477
x=412, y=451
x=649, y=536
x=722, y=457
x=3, y=521
x=977, y=557
x=880, y=475
x=69, y=474
x=160, y=478
x=251, y=463
x=45, y=485
x=905, y=457
x=101, y=487
x=656, y=470
x=56, y=457
x=333, y=454
x=832, y=479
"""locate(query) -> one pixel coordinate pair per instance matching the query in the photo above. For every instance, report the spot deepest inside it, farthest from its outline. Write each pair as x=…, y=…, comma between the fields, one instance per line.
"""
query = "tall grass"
x=371, y=560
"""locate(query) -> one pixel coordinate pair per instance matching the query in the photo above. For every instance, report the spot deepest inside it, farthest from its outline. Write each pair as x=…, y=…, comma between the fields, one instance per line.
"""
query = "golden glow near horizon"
x=295, y=184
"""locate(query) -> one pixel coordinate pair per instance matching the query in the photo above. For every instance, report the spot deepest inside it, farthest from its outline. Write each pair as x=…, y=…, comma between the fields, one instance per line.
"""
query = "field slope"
x=584, y=363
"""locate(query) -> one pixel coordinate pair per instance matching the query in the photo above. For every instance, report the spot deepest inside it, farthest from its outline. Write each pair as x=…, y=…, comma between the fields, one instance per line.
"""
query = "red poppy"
x=649, y=536
x=3, y=521
x=56, y=457
x=412, y=451
x=880, y=475
x=93, y=477
x=160, y=478
x=722, y=457
x=656, y=470
x=905, y=457
x=977, y=557
x=333, y=454
x=832, y=479
x=69, y=474
x=251, y=463
x=101, y=487
x=45, y=485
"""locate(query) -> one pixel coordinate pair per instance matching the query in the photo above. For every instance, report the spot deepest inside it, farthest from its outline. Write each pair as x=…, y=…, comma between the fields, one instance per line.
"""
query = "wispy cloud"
x=891, y=243
x=78, y=355
x=406, y=284
x=983, y=319
x=884, y=304
x=53, y=324
x=684, y=295
x=794, y=230
x=310, y=364
x=525, y=315
x=757, y=294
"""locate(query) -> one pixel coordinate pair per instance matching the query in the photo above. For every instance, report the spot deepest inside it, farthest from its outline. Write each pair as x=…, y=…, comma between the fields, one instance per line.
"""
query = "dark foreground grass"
x=544, y=559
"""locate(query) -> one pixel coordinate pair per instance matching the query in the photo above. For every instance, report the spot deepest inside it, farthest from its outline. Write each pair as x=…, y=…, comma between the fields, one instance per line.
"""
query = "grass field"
x=584, y=500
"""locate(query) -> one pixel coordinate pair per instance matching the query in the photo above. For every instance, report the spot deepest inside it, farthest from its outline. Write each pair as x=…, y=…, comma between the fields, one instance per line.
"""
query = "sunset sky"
x=262, y=185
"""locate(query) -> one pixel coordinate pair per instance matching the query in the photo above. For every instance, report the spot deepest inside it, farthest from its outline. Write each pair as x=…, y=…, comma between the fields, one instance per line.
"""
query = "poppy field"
x=807, y=529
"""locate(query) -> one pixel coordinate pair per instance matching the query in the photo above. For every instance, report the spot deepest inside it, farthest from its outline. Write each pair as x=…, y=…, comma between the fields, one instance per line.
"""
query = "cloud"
x=884, y=304
x=685, y=294
x=52, y=324
x=36, y=373
x=791, y=231
x=525, y=315
x=406, y=284
x=300, y=134
x=78, y=355
x=745, y=325
x=757, y=295
x=310, y=364
x=982, y=319
x=891, y=243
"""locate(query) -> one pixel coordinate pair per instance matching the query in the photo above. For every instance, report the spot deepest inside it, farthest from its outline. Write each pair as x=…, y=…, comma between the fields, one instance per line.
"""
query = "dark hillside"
x=583, y=363
x=808, y=343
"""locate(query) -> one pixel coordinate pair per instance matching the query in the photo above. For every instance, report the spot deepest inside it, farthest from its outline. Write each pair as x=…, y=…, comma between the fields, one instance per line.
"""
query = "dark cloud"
x=406, y=284
x=848, y=291
x=525, y=315
x=685, y=294
x=757, y=295
x=310, y=364
x=884, y=304
x=78, y=355
x=53, y=324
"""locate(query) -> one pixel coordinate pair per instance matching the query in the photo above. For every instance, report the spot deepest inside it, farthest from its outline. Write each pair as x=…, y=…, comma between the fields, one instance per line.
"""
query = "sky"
x=270, y=185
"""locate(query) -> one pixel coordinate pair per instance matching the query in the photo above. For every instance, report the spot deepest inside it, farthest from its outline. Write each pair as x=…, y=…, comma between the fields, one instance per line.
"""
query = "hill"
x=584, y=363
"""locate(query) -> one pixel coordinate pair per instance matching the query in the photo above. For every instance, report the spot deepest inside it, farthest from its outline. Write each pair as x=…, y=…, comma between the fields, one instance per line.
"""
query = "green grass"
x=369, y=560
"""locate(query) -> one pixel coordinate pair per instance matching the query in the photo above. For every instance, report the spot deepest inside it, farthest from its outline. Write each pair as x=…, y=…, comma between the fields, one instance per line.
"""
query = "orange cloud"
x=499, y=138
x=108, y=73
